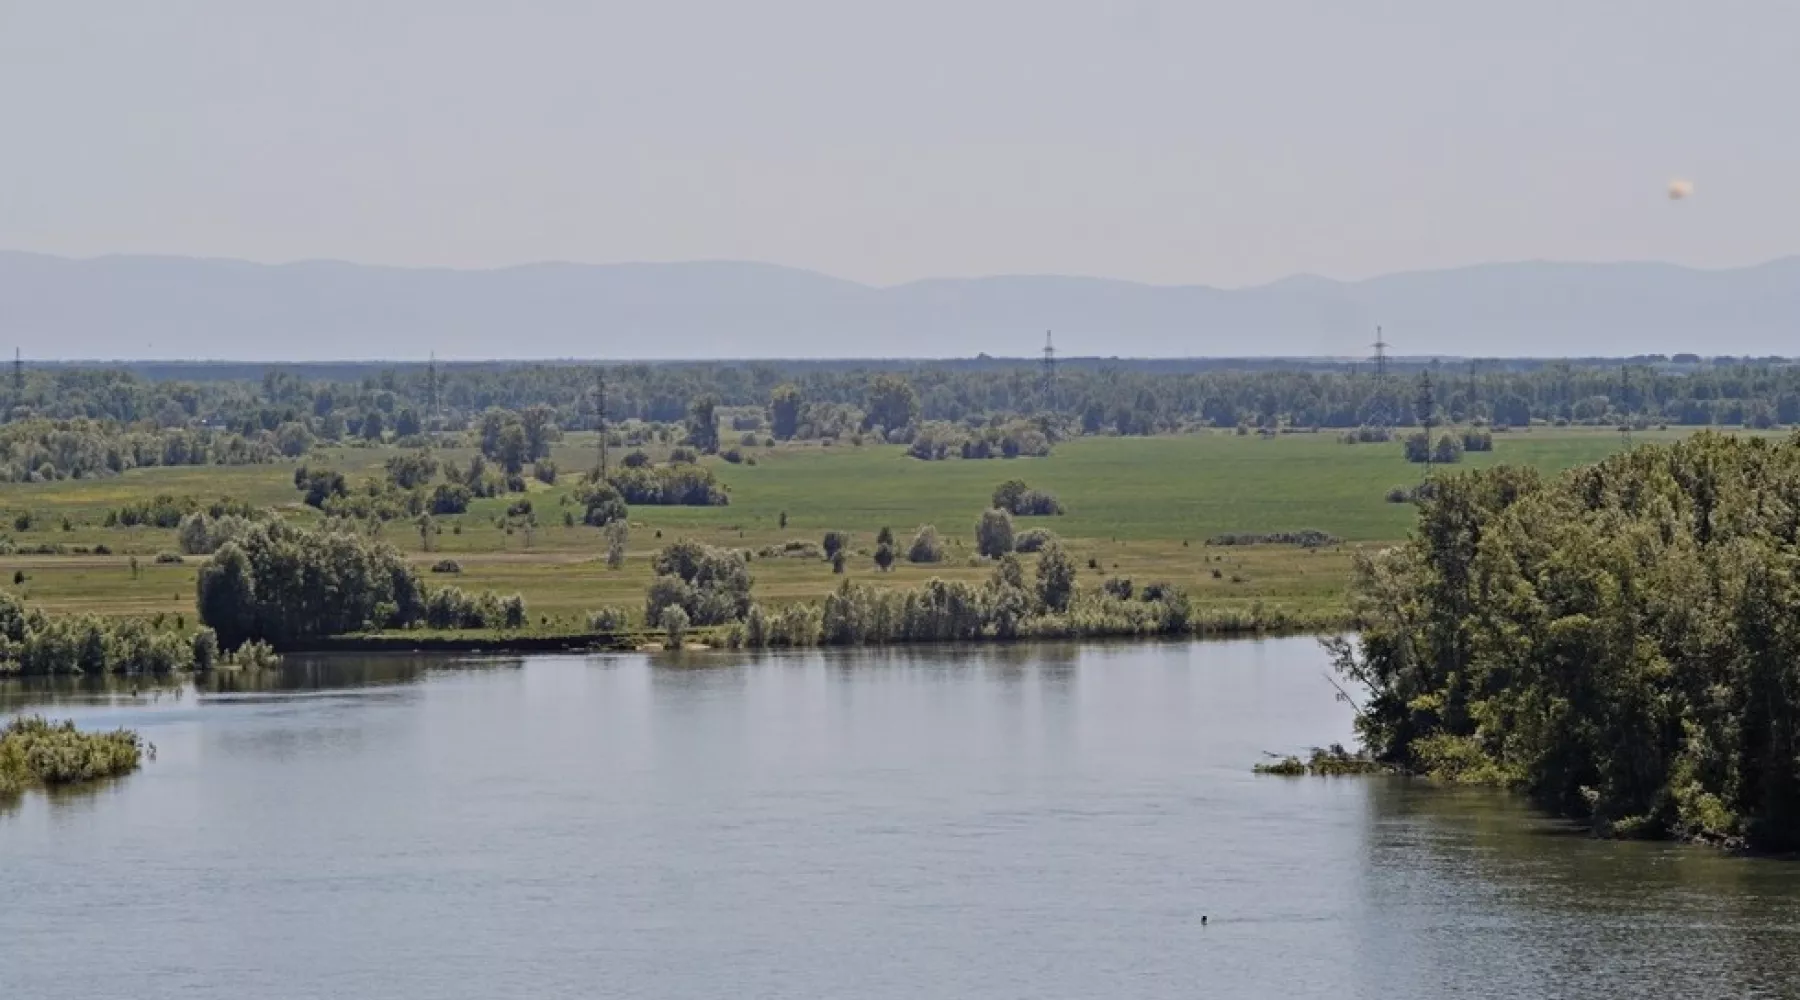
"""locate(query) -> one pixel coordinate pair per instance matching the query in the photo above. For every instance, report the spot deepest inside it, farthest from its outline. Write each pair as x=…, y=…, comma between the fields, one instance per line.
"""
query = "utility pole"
x=1049, y=372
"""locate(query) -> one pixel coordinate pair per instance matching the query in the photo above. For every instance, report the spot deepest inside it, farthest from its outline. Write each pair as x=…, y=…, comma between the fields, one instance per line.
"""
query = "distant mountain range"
x=182, y=307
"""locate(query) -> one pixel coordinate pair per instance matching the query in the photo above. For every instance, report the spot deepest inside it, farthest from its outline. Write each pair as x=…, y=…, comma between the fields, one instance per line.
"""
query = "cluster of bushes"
x=1033, y=539
x=406, y=490
x=166, y=511
x=451, y=608
x=1477, y=440
x=1447, y=451
x=1006, y=606
x=601, y=504
x=608, y=619
x=1619, y=641
x=710, y=585
x=1309, y=538
x=937, y=440
x=1369, y=434
x=1019, y=500
x=33, y=643
x=46, y=450
x=793, y=548
x=679, y=484
x=201, y=533
x=36, y=752
x=279, y=583
x=1410, y=494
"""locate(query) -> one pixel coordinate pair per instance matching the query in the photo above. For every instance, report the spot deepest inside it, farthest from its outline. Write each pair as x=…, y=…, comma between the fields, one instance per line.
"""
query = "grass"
x=1137, y=507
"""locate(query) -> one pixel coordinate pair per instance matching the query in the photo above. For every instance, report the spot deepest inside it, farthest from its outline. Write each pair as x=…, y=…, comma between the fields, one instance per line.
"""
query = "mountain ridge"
x=169, y=306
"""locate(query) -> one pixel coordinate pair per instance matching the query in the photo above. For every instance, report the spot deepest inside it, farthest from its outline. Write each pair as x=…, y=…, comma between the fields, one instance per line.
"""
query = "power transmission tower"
x=432, y=411
x=1379, y=415
x=1049, y=372
x=600, y=416
x=1427, y=410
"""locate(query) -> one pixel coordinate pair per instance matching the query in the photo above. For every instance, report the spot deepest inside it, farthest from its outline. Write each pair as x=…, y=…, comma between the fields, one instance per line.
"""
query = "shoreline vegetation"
x=1621, y=643
x=36, y=753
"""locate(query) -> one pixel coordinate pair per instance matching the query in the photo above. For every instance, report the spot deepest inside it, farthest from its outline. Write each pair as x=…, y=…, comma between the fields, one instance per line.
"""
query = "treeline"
x=48, y=450
x=800, y=399
x=1623, y=641
x=34, y=643
x=278, y=584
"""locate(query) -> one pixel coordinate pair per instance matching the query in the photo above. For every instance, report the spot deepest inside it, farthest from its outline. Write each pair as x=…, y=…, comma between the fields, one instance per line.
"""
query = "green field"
x=1137, y=507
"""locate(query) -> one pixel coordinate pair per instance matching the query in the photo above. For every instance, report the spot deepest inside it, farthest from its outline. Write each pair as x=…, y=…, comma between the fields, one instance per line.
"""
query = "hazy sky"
x=1217, y=143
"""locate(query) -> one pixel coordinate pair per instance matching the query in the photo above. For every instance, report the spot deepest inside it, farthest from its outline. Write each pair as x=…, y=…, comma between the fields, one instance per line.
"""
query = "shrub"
x=1020, y=500
x=1055, y=577
x=450, y=498
x=169, y=559
x=37, y=752
x=732, y=455
x=602, y=505
x=618, y=535
x=994, y=534
x=683, y=456
x=926, y=547
x=884, y=556
x=674, y=622
x=1032, y=539
x=834, y=542
x=635, y=460
x=1476, y=440
x=608, y=619
x=446, y=566
x=544, y=470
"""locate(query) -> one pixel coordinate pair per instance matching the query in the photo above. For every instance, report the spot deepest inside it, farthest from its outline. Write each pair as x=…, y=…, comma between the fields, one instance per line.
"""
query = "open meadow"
x=1138, y=507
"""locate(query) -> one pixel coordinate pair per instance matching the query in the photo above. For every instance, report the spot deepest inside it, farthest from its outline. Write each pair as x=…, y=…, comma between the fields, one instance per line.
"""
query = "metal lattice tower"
x=1381, y=360
x=1049, y=371
x=600, y=415
x=18, y=378
x=433, y=411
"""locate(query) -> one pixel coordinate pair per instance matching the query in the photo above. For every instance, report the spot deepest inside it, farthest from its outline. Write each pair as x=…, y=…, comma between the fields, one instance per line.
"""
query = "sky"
x=1166, y=142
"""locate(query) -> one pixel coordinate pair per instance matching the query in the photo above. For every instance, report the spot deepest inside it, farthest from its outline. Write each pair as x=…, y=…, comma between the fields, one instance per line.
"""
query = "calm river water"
x=1022, y=822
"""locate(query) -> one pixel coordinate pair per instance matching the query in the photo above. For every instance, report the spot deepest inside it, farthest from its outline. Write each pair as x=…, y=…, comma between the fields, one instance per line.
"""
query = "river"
x=1020, y=822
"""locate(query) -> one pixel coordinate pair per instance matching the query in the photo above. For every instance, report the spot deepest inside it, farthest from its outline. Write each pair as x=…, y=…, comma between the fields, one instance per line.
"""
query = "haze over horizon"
x=1214, y=144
